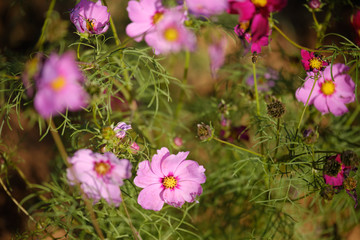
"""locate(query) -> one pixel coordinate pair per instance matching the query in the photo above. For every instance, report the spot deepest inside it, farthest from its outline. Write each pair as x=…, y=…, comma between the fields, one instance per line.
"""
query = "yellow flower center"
x=157, y=17
x=171, y=34
x=315, y=63
x=259, y=3
x=90, y=25
x=169, y=182
x=102, y=168
x=58, y=83
x=328, y=87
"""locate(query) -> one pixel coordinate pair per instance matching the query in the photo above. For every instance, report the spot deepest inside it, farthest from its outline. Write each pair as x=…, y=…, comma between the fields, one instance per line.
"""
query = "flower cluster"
x=90, y=17
x=59, y=86
x=253, y=20
x=170, y=179
x=329, y=94
x=99, y=175
x=337, y=170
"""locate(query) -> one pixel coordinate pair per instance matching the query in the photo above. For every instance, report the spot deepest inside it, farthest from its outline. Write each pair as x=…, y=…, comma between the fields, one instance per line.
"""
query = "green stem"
x=78, y=51
x=41, y=40
x=184, y=81
x=240, y=148
x=256, y=91
x=61, y=148
x=297, y=45
x=113, y=28
x=353, y=116
x=130, y=223
x=277, y=137
x=306, y=105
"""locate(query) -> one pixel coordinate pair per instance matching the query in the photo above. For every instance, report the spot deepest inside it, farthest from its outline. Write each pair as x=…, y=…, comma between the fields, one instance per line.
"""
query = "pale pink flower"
x=206, y=7
x=59, y=86
x=169, y=179
x=120, y=129
x=328, y=95
x=144, y=14
x=90, y=17
x=217, y=55
x=170, y=34
x=99, y=175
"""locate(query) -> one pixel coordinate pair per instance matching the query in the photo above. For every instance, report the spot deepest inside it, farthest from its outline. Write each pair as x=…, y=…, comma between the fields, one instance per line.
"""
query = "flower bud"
x=205, y=132
x=276, y=109
x=315, y=4
x=350, y=183
x=309, y=136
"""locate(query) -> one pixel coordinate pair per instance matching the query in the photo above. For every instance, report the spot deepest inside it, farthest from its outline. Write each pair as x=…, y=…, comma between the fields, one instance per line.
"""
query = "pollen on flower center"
x=58, y=83
x=157, y=17
x=259, y=3
x=90, y=25
x=169, y=182
x=315, y=63
x=171, y=34
x=328, y=87
x=102, y=167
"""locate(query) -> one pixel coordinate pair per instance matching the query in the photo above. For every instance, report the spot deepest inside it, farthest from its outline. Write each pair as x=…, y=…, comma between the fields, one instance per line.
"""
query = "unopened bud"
x=350, y=183
x=315, y=4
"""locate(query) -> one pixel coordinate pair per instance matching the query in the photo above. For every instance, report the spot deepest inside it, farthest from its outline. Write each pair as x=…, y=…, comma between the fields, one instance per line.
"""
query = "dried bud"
x=349, y=158
x=350, y=183
x=332, y=167
x=309, y=136
x=327, y=192
x=276, y=109
x=204, y=132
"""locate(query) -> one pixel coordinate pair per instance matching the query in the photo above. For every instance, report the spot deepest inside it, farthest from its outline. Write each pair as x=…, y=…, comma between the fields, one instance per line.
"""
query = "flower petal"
x=169, y=164
x=189, y=190
x=149, y=198
x=173, y=197
x=157, y=160
x=145, y=176
x=190, y=170
x=321, y=104
x=336, y=106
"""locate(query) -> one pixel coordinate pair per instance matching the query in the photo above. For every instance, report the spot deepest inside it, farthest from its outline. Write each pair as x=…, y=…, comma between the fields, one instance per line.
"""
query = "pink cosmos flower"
x=206, y=7
x=144, y=15
x=334, y=165
x=120, y=129
x=90, y=17
x=168, y=179
x=170, y=34
x=217, y=55
x=328, y=95
x=59, y=86
x=99, y=175
x=312, y=62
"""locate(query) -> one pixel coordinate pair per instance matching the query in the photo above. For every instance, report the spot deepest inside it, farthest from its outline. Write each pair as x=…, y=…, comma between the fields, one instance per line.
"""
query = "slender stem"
x=353, y=116
x=129, y=218
x=184, y=81
x=256, y=91
x=240, y=148
x=41, y=40
x=297, y=45
x=113, y=28
x=316, y=21
x=61, y=148
x=277, y=137
x=78, y=51
x=306, y=105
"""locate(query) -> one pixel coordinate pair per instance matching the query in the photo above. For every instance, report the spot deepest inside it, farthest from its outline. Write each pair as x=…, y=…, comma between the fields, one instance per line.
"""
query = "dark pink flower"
x=59, y=86
x=328, y=95
x=168, y=179
x=90, y=17
x=334, y=171
x=355, y=21
x=312, y=62
x=99, y=175
x=245, y=9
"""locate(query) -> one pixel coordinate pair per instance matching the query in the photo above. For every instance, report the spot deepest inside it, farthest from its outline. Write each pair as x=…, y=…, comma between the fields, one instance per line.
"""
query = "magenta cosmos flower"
x=328, y=95
x=334, y=171
x=99, y=175
x=355, y=21
x=170, y=34
x=90, y=17
x=59, y=86
x=168, y=179
x=312, y=62
x=144, y=14
x=206, y=7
